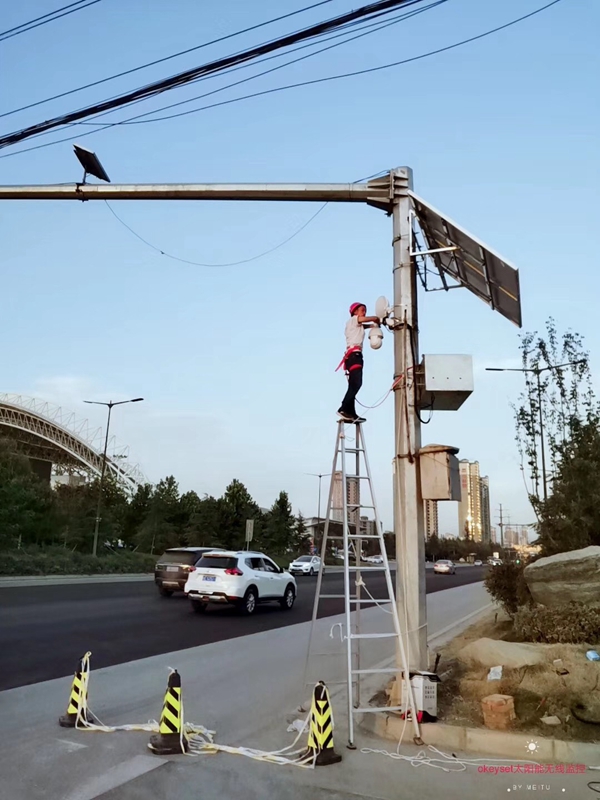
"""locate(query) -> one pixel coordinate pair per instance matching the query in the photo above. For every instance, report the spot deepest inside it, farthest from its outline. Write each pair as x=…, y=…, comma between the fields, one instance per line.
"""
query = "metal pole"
x=319, y=511
x=347, y=604
x=501, y=529
x=97, y=526
x=539, y=388
x=408, y=508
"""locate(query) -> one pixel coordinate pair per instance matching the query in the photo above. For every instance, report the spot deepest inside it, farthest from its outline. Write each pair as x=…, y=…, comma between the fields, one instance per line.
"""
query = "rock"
x=566, y=577
x=551, y=721
x=512, y=655
x=498, y=711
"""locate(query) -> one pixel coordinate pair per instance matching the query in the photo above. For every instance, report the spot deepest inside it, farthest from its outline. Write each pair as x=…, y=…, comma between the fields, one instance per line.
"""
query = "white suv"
x=241, y=578
x=305, y=565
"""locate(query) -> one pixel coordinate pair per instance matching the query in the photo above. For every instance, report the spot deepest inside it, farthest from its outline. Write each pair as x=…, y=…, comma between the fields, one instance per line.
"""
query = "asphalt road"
x=44, y=630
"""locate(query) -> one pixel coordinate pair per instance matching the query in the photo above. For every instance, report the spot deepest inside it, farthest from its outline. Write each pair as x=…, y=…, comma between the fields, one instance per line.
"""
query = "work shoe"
x=359, y=419
x=345, y=417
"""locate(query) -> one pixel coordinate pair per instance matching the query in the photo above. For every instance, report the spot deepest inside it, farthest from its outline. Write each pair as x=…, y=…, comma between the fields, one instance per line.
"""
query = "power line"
x=231, y=263
x=25, y=27
x=157, y=87
x=302, y=83
x=166, y=58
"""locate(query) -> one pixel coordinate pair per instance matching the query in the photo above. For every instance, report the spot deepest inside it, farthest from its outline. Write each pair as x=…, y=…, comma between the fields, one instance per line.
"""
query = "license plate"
x=208, y=578
x=172, y=569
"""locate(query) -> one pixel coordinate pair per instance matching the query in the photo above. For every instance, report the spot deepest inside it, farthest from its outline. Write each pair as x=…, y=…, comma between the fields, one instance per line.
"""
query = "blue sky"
x=237, y=363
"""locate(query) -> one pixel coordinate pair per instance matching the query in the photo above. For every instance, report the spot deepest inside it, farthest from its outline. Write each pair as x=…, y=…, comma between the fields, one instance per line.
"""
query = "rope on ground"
x=448, y=762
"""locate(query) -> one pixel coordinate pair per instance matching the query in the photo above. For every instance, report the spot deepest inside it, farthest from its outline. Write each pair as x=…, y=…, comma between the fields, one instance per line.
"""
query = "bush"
x=506, y=584
x=574, y=623
x=60, y=561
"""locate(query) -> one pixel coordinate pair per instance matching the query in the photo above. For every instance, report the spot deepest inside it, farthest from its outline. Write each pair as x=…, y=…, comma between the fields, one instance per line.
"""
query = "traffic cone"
x=320, y=734
x=78, y=699
x=170, y=739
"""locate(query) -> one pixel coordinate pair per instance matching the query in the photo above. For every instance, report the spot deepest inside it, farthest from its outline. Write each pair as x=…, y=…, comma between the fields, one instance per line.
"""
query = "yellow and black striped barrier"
x=171, y=739
x=77, y=708
x=320, y=735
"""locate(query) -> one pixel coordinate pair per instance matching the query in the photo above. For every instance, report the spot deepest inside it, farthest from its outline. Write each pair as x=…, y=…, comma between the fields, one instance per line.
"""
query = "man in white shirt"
x=353, y=359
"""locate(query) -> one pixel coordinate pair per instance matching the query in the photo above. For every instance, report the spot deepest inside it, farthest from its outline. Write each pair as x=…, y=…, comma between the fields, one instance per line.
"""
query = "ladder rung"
x=358, y=505
x=373, y=635
x=371, y=600
x=366, y=569
x=332, y=596
x=362, y=536
x=375, y=671
x=354, y=450
x=376, y=708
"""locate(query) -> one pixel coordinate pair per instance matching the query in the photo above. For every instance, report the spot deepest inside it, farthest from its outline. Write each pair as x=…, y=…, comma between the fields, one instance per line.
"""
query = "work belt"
x=347, y=354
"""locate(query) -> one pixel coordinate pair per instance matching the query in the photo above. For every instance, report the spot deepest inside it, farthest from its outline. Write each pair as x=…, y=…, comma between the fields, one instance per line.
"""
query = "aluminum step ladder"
x=352, y=538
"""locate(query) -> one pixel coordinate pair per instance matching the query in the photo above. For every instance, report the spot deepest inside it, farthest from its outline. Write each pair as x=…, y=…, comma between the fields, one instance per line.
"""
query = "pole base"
x=168, y=744
x=324, y=757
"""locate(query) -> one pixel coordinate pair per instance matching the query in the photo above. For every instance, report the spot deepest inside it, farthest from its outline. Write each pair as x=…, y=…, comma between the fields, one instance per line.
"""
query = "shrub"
x=506, y=584
x=573, y=623
x=60, y=561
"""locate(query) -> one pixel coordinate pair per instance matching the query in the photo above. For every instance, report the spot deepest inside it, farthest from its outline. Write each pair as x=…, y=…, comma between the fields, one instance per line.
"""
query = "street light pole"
x=537, y=371
x=319, y=475
x=110, y=405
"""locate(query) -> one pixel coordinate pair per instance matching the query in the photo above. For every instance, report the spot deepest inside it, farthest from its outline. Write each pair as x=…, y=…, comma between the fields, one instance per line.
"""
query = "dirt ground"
x=537, y=691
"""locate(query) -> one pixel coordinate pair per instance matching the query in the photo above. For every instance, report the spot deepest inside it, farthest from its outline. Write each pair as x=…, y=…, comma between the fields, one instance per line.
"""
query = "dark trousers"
x=354, y=367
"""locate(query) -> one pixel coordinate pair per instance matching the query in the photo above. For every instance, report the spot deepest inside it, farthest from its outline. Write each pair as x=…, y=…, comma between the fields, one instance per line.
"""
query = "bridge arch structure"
x=53, y=438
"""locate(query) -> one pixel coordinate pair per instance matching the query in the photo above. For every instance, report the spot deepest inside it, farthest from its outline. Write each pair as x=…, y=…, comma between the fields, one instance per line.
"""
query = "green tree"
x=26, y=503
x=280, y=526
x=238, y=506
x=301, y=537
x=136, y=513
x=161, y=528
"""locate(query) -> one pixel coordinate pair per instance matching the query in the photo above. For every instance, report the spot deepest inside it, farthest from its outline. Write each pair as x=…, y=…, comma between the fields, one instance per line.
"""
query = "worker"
x=353, y=359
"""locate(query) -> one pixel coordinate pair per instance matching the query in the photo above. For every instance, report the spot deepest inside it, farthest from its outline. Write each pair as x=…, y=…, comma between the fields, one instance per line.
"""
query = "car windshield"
x=216, y=562
x=304, y=558
x=179, y=557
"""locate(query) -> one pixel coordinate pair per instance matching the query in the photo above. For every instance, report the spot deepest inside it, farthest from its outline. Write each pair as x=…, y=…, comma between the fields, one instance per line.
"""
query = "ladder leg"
x=346, y=542
x=322, y=564
x=390, y=587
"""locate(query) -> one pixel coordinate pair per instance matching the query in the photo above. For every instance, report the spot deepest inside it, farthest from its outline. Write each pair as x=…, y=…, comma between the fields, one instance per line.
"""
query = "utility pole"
x=408, y=505
x=501, y=526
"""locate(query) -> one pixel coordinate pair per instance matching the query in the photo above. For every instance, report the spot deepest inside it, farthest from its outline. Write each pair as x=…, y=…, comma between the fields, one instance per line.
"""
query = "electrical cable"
x=228, y=264
x=25, y=27
x=311, y=82
x=166, y=58
x=182, y=78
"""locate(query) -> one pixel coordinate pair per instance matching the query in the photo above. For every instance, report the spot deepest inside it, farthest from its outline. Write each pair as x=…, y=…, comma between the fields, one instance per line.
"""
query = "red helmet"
x=354, y=306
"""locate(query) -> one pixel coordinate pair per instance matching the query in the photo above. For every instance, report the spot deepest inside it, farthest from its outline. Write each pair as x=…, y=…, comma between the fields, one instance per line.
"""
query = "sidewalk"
x=247, y=689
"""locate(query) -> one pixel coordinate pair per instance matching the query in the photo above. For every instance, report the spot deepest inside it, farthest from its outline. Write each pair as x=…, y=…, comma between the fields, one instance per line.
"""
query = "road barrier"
x=175, y=736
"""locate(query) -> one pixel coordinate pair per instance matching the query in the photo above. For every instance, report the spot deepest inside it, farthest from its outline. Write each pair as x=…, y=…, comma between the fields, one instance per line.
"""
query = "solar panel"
x=470, y=262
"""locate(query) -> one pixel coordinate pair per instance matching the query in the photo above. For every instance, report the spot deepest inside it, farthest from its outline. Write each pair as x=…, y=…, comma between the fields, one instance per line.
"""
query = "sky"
x=237, y=363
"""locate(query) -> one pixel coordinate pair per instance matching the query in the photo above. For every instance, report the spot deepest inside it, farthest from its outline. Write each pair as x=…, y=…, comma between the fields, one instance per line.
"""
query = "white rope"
x=422, y=759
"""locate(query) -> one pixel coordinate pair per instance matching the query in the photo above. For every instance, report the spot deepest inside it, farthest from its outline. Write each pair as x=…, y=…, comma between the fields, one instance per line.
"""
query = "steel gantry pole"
x=408, y=507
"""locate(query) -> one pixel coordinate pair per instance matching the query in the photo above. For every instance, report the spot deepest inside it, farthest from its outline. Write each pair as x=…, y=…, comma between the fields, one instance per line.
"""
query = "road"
x=45, y=629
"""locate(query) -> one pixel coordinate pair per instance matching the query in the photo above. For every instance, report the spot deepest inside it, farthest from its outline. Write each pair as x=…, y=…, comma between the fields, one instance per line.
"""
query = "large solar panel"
x=471, y=263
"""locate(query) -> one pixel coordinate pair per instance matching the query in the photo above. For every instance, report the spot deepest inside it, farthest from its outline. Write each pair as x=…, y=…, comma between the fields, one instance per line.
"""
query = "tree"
x=301, y=539
x=26, y=504
x=160, y=529
x=279, y=535
x=136, y=513
x=238, y=506
x=566, y=398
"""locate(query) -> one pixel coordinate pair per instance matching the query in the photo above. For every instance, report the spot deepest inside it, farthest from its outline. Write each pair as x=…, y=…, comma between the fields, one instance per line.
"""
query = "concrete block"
x=508, y=745
x=576, y=753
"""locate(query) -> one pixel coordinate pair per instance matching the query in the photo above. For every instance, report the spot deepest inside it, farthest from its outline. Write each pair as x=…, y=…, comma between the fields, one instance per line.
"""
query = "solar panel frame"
x=473, y=264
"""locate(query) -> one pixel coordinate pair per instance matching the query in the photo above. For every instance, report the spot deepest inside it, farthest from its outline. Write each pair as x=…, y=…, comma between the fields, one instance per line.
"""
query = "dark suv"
x=172, y=569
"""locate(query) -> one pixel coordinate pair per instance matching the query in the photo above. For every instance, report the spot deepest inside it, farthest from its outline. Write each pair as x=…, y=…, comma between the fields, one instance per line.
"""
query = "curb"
x=57, y=580
x=500, y=744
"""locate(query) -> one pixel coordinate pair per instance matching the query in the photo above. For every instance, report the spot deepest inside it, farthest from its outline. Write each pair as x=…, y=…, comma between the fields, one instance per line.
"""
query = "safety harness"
x=347, y=354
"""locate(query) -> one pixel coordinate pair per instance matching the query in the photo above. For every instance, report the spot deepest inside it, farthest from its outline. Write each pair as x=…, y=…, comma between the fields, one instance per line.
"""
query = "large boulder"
x=494, y=653
x=566, y=577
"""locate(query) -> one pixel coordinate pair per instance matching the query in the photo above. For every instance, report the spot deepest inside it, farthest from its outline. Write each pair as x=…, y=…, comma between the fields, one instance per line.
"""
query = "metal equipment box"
x=444, y=382
x=424, y=686
x=440, y=474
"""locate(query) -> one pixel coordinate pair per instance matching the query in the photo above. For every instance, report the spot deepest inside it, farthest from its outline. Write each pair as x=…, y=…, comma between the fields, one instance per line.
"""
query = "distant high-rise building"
x=474, y=521
x=486, y=521
x=352, y=498
x=431, y=519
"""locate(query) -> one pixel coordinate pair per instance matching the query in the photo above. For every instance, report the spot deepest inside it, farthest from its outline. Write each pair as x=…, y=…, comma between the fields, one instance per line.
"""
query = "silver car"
x=444, y=567
x=305, y=565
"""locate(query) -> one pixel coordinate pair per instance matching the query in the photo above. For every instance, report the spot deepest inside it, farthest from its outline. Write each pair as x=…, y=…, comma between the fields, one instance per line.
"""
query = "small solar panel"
x=472, y=263
x=90, y=163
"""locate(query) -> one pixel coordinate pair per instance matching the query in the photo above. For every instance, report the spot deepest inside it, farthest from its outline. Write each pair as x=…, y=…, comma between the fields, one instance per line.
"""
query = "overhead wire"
x=25, y=27
x=182, y=78
x=165, y=58
x=310, y=82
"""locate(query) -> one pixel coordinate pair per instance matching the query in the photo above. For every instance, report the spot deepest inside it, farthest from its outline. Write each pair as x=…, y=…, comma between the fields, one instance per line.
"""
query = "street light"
x=537, y=372
x=110, y=407
x=319, y=475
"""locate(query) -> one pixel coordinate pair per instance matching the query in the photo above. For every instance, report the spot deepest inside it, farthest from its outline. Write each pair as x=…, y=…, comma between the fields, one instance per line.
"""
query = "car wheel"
x=312, y=572
x=287, y=601
x=198, y=606
x=164, y=592
x=248, y=604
